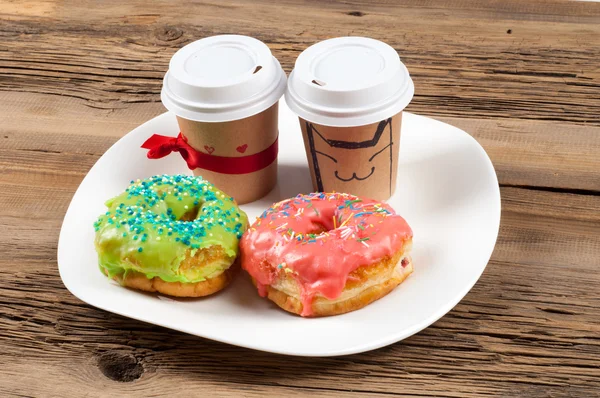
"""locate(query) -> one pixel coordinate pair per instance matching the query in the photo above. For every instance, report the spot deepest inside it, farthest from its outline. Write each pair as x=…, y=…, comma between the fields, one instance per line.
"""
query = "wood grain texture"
x=529, y=327
x=538, y=154
x=76, y=76
x=460, y=54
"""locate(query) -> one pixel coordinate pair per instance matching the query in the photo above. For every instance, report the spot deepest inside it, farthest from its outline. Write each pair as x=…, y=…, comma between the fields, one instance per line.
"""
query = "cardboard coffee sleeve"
x=238, y=140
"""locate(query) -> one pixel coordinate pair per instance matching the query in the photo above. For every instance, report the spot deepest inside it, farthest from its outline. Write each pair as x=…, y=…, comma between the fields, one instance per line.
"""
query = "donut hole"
x=318, y=228
x=191, y=214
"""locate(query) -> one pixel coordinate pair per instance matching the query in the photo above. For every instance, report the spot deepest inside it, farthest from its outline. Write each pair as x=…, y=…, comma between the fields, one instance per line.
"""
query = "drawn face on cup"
x=359, y=160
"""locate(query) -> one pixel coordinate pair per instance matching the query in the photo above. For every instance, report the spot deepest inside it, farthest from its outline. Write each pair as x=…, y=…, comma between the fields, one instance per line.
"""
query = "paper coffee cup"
x=224, y=91
x=349, y=94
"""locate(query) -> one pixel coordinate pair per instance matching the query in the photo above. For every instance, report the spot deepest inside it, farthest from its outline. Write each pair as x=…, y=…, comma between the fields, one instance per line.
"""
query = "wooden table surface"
x=522, y=77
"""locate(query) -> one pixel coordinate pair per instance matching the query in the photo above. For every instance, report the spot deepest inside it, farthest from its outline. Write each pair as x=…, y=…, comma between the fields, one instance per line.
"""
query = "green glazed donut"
x=145, y=232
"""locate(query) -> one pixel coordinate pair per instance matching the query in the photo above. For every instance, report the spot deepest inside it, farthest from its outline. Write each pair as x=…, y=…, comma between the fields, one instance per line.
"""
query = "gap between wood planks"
x=552, y=189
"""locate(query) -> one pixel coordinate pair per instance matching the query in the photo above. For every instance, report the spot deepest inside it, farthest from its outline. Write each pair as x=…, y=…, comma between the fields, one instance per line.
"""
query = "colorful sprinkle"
x=151, y=208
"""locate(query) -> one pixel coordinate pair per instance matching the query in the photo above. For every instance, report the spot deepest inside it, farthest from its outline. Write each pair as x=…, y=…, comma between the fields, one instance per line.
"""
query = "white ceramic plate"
x=447, y=191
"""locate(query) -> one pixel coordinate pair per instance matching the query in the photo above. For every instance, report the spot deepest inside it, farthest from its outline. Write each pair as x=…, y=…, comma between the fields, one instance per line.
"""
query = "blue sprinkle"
x=362, y=213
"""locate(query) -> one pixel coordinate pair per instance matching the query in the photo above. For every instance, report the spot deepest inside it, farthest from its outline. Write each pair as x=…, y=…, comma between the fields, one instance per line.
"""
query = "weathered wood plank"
x=37, y=129
x=522, y=78
x=539, y=154
x=462, y=57
x=535, y=309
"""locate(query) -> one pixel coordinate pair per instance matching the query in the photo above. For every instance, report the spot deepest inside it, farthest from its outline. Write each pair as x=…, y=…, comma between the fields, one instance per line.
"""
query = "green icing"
x=141, y=230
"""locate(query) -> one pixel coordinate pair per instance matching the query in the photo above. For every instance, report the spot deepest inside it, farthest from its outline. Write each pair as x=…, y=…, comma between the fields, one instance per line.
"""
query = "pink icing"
x=289, y=237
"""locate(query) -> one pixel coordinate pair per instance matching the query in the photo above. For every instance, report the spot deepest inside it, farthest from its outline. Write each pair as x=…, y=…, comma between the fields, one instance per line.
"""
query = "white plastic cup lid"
x=348, y=81
x=222, y=78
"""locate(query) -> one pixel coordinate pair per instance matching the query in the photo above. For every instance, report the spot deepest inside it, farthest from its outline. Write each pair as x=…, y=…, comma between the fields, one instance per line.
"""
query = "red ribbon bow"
x=160, y=146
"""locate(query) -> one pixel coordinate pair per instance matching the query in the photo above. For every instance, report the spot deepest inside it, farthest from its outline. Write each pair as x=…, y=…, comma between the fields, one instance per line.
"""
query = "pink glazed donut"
x=327, y=253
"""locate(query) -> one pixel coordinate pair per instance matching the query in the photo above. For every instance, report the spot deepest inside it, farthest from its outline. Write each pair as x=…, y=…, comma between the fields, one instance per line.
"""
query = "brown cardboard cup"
x=360, y=160
x=224, y=91
x=360, y=86
x=236, y=138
